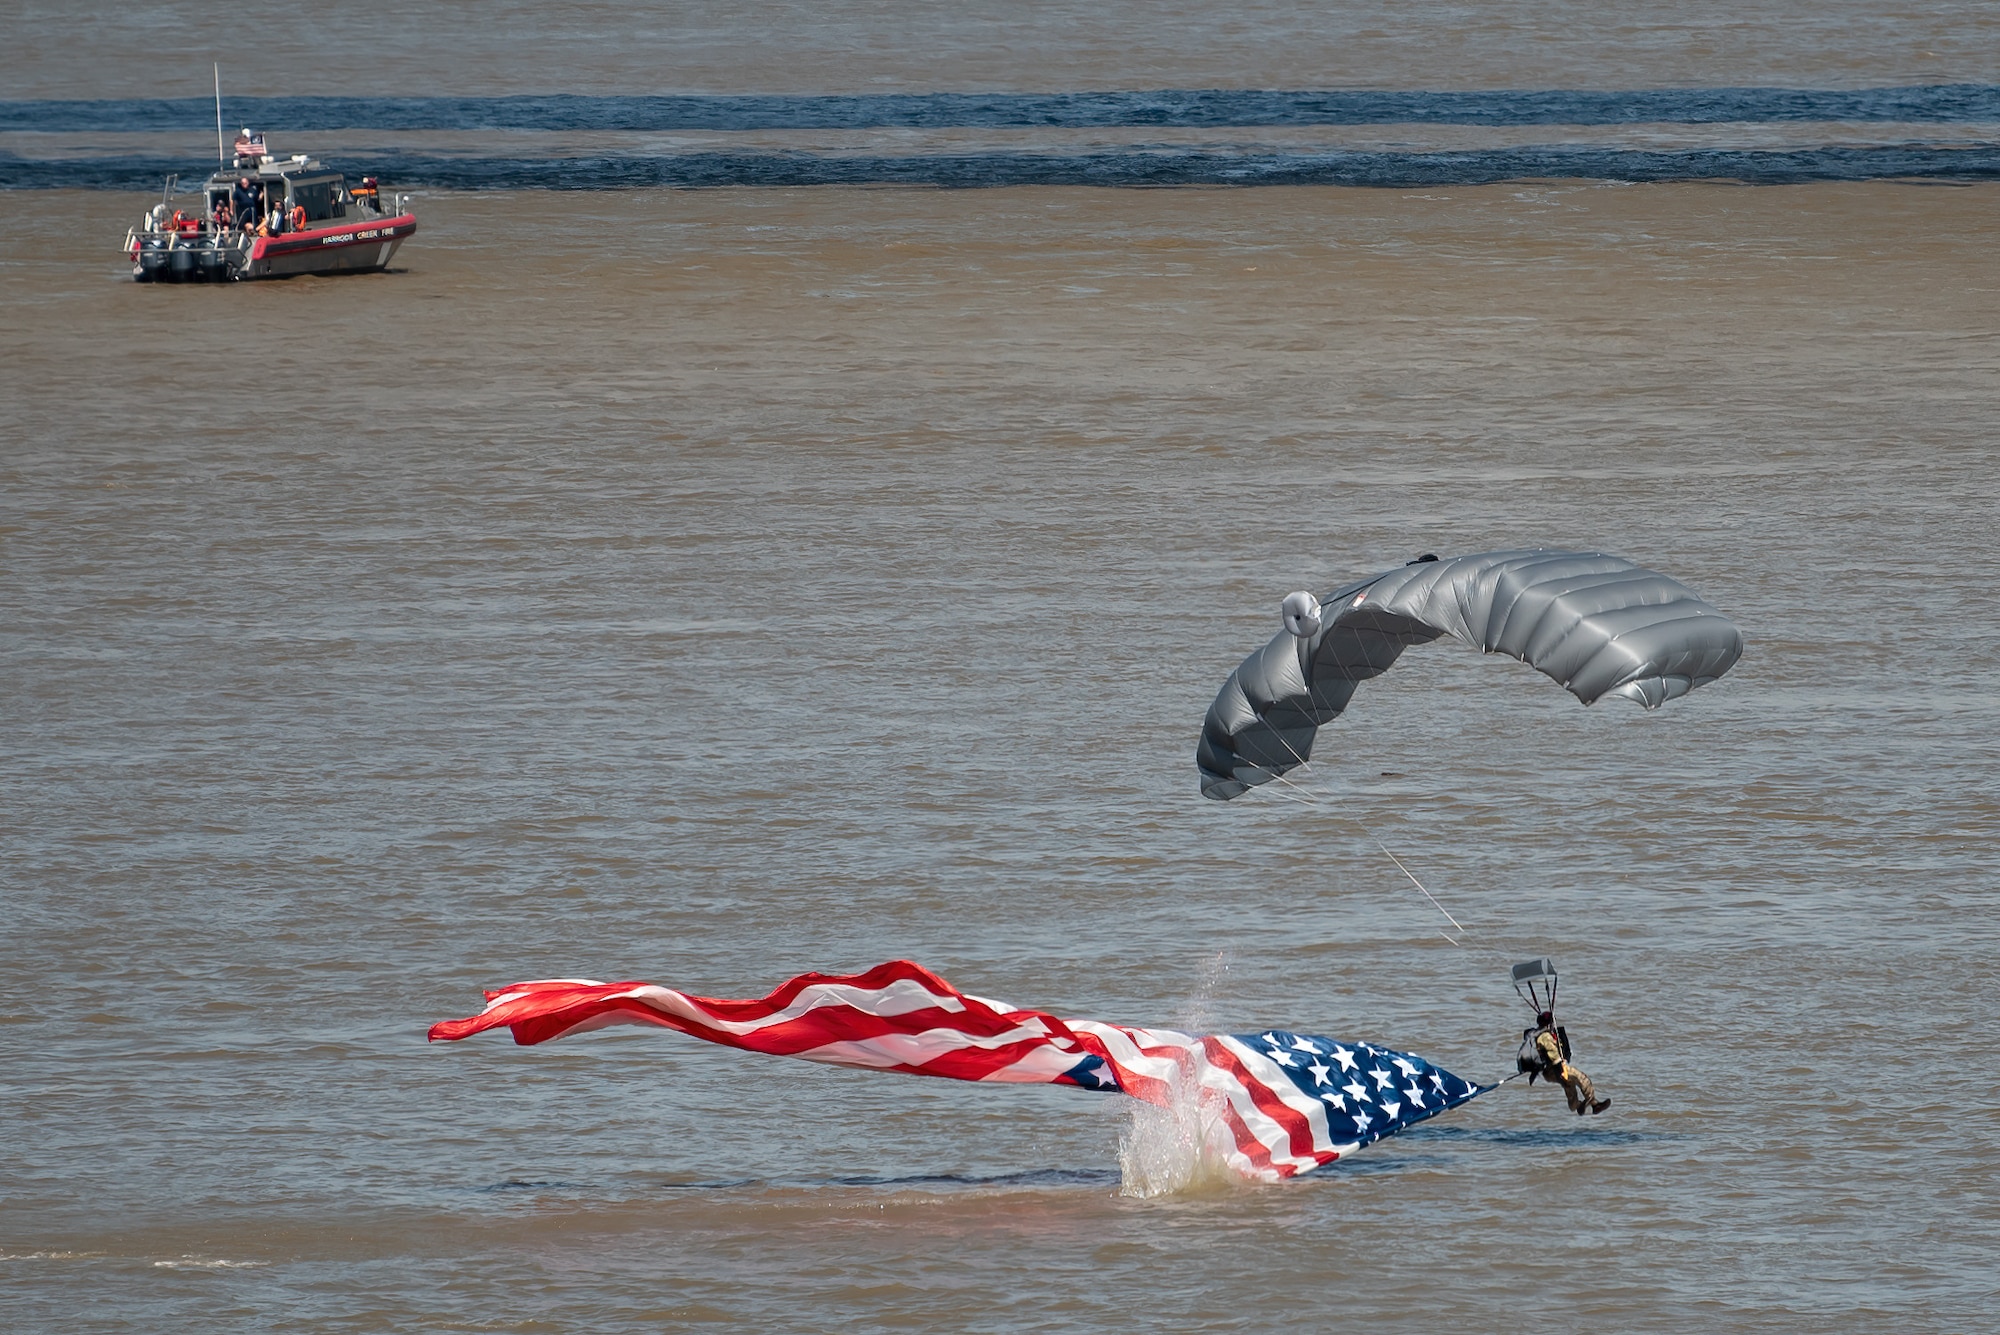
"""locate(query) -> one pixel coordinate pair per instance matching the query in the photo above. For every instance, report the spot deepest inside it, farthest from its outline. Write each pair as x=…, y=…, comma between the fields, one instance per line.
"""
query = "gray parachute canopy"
x=1597, y=624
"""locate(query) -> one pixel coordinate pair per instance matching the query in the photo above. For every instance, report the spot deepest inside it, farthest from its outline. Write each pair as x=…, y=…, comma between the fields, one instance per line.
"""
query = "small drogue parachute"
x=1598, y=625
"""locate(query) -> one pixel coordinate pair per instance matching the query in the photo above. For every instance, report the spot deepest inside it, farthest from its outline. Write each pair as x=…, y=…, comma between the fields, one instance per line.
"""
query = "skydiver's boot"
x=1599, y=1106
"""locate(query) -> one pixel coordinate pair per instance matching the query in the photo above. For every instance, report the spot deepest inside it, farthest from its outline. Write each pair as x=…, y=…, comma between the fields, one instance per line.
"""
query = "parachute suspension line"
x=1302, y=801
x=1422, y=891
x=1306, y=797
x=1300, y=793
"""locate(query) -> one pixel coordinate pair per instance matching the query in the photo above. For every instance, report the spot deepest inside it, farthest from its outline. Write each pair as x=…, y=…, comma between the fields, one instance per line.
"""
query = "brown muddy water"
x=708, y=586
x=105, y=48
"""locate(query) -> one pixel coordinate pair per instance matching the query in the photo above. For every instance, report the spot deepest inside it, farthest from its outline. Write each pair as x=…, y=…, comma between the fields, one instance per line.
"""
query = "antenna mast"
x=220, y=161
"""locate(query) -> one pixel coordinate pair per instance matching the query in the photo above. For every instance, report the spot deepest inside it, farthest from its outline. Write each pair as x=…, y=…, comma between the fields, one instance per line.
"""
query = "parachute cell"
x=1598, y=625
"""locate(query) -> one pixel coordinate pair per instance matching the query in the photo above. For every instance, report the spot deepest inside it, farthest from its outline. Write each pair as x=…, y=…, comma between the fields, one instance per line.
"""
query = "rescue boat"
x=269, y=217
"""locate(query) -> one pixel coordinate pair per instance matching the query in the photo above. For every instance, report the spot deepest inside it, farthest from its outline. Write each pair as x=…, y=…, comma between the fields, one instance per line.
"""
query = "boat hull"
x=358, y=247
x=353, y=248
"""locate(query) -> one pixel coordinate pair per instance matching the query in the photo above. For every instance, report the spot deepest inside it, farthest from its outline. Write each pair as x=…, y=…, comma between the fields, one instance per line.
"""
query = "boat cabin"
x=283, y=184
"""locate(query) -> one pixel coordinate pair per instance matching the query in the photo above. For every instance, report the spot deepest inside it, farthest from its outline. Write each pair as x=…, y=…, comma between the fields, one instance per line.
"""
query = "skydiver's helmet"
x=1545, y=1020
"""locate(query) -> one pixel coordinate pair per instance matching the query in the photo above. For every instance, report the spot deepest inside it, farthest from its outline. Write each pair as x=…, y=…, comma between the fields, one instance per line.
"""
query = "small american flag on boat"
x=1274, y=1104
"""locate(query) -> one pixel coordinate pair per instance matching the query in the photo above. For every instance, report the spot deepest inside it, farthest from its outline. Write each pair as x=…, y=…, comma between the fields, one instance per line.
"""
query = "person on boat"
x=243, y=204
x=1556, y=1068
x=220, y=216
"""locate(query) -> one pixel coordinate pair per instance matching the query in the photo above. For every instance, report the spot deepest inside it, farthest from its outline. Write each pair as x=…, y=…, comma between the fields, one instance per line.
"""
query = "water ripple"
x=1144, y=167
x=1185, y=107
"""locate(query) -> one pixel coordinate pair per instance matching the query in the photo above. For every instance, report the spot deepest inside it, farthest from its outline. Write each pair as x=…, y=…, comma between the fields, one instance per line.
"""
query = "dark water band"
x=1192, y=108
x=1977, y=162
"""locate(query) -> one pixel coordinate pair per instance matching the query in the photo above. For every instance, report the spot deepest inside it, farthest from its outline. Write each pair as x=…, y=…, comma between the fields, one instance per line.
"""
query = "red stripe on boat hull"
x=329, y=249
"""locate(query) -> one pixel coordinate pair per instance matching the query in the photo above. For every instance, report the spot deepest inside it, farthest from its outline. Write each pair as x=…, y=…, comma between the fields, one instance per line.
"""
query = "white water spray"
x=1178, y=1149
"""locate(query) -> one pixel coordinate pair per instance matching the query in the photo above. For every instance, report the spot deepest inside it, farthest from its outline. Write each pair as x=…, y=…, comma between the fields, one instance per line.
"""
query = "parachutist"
x=1550, y=1059
x=1545, y=1048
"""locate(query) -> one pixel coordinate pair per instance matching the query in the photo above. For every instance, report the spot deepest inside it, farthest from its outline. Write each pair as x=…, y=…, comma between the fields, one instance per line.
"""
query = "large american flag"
x=1274, y=1104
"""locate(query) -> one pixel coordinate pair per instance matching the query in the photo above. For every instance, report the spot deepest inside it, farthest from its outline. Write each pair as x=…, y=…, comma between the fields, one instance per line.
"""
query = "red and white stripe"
x=1278, y=1131
x=900, y=1016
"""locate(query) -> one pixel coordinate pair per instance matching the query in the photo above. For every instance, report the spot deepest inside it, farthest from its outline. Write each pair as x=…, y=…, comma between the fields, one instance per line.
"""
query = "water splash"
x=190, y=1261
x=1178, y=1149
